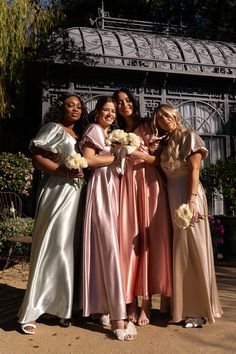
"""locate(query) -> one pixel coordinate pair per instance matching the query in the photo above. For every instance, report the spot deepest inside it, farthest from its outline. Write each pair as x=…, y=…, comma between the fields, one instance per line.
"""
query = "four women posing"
x=129, y=238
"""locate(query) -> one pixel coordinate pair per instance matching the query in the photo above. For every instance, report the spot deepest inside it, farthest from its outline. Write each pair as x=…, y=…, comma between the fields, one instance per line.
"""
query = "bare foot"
x=145, y=314
x=133, y=310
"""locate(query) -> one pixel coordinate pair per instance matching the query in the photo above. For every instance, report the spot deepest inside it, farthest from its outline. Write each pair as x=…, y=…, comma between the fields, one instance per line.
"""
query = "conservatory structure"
x=196, y=76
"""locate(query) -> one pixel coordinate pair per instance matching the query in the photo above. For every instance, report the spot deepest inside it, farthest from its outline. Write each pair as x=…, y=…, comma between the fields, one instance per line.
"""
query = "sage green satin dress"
x=51, y=277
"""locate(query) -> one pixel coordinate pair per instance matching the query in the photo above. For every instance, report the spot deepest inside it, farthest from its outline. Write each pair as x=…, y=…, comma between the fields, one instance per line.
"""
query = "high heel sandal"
x=145, y=313
x=104, y=320
x=28, y=328
x=65, y=322
x=133, y=311
x=194, y=322
x=125, y=333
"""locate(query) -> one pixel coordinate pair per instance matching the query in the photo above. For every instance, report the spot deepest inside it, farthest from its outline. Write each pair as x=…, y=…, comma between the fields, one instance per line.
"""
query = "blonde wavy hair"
x=171, y=151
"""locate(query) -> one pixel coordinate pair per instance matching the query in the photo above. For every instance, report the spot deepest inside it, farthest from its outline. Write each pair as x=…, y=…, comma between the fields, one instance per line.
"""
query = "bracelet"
x=195, y=194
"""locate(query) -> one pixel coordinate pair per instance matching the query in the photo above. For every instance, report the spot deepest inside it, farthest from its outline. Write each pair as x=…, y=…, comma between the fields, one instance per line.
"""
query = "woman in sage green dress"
x=51, y=277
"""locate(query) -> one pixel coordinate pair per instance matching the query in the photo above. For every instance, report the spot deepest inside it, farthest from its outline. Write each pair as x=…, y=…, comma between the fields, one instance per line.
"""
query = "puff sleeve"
x=192, y=143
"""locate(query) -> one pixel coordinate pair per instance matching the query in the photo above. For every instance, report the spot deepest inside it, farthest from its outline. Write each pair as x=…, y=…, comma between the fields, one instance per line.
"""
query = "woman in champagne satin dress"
x=51, y=277
x=144, y=220
x=195, y=295
x=102, y=283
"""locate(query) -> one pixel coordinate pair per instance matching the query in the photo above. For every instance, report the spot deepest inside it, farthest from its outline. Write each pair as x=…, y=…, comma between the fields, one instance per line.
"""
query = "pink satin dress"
x=144, y=227
x=102, y=283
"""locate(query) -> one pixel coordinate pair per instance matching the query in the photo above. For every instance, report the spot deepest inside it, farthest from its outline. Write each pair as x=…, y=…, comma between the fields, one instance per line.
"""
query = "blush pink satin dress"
x=144, y=227
x=102, y=283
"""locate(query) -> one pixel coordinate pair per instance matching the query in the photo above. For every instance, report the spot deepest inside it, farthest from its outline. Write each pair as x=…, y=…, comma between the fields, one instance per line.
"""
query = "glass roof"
x=152, y=52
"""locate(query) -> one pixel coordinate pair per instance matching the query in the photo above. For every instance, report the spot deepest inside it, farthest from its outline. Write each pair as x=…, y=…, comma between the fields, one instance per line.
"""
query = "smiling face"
x=125, y=105
x=72, y=110
x=166, y=118
x=106, y=115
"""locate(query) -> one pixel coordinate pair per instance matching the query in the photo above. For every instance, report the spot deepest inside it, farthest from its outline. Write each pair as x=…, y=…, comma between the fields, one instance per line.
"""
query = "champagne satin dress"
x=194, y=283
x=51, y=277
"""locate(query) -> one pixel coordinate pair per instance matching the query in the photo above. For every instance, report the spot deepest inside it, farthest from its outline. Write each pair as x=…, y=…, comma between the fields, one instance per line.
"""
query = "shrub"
x=15, y=227
x=219, y=181
x=16, y=173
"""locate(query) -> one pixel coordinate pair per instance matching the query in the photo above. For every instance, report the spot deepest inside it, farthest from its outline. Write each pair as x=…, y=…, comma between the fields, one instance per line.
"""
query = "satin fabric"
x=102, y=282
x=144, y=227
x=194, y=283
x=51, y=276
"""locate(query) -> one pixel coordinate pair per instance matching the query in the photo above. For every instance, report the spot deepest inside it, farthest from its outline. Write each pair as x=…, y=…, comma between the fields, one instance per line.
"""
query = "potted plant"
x=219, y=182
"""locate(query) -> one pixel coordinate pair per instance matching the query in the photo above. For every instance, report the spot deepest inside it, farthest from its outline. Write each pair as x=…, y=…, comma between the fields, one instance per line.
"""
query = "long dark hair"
x=56, y=113
x=136, y=117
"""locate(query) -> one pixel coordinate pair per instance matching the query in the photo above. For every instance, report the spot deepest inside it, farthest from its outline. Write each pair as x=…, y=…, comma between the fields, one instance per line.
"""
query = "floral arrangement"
x=118, y=136
x=16, y=173
x=76, y=162
x=217, y=231
x=183, y=216
x=123, y=143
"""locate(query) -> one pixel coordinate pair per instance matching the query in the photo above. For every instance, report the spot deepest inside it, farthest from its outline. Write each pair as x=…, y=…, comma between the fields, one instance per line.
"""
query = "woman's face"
x=125, y=105
x=166, y=122
x=72, y=109
x=107, y=115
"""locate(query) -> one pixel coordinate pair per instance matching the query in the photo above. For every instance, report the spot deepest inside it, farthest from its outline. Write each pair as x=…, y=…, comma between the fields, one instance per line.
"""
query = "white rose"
x=182, y=216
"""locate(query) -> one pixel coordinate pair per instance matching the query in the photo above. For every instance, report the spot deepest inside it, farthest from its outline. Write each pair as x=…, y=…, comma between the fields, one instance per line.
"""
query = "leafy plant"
x=15, y=227
x=219, y=181
x=16, y=173
x=23, y=26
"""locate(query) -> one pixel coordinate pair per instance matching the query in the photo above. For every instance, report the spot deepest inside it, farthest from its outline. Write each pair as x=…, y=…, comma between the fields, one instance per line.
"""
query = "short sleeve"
x=95, y=135
x=192, y=143
x=50, y=138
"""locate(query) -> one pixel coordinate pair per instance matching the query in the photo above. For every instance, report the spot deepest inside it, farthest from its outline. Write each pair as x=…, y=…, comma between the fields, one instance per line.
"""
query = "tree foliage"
x=213, y=19
x=23, y=24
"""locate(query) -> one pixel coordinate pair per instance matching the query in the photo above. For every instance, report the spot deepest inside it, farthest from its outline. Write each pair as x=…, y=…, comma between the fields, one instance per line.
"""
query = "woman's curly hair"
x=57, y=110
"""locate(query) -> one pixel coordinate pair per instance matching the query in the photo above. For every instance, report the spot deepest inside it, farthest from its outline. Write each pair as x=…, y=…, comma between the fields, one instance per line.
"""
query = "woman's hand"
x=147, y=158
x=75, y=174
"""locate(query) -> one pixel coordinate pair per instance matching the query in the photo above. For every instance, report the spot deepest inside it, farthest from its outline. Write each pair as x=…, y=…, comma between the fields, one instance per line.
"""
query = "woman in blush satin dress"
x=51, y=277
x=145, y=232
x=102, y=283
x=195, y=295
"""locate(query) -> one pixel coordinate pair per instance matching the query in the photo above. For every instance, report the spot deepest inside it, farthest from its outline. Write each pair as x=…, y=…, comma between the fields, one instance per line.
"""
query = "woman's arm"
x=147, y=158
x=194, y=164
x=95, y=160
x=50, y=167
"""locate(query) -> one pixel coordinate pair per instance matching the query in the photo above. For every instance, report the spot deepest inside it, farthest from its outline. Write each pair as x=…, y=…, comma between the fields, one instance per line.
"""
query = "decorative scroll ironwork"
x=141, y=51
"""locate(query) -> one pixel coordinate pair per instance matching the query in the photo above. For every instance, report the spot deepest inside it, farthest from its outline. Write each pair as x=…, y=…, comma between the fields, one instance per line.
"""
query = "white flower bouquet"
x=76, y=162
x=123, y=143
x=183, y=216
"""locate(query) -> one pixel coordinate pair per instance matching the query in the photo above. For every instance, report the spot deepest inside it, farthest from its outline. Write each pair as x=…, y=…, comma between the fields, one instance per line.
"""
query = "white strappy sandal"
x=28, y=328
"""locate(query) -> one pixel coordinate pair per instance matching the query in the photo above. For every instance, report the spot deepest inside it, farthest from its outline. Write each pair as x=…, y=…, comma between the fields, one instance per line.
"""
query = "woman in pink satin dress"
x=144, y=221
x=102, y=283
